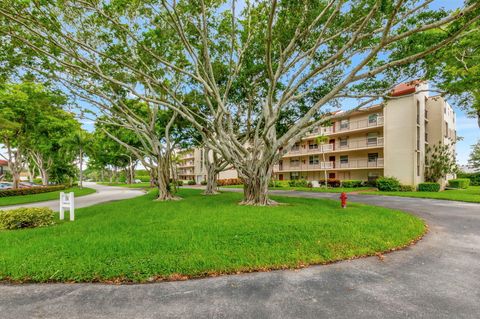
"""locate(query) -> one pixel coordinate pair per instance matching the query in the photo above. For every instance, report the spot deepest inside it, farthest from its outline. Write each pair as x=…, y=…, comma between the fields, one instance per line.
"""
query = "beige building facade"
x=192, y=166
x=381, y=140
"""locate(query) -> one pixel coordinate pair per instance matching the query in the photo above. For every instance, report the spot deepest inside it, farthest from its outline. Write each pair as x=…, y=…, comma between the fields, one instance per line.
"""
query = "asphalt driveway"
x=437, y=278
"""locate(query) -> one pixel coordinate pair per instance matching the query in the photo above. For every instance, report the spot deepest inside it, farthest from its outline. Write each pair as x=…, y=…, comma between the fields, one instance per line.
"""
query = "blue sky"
x=466, y=127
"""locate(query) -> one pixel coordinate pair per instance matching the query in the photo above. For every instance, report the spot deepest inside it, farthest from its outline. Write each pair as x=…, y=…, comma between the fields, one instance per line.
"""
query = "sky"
x=466, y=127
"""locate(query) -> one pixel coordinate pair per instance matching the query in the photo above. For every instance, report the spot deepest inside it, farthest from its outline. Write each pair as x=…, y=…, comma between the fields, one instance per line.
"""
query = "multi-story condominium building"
x=192, y=167
x=381, y=140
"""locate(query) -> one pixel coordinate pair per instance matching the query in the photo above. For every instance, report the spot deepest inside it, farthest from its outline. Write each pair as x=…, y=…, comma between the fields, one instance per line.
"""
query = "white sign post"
x=67, y=201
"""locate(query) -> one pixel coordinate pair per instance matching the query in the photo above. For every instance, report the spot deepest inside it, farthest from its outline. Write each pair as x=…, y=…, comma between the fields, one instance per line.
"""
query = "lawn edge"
x=48, y=200
x=180, y=277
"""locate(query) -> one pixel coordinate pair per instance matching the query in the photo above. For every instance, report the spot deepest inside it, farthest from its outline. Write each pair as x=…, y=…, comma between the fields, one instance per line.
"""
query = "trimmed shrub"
x=191, y=182
x=143, y=178
x=388, y=184
x=331, y=182
x=459, y=183
x=229, y=181
x=26, y=218
x=203, y=183
x=352, y=183
x=429, y=187
x=407, y=188
x=298, y=183
x=31, y=190
x=473, y=177
x=179, y=183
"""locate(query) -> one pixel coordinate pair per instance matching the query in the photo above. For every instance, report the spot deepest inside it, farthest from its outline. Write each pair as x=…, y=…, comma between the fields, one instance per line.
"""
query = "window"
x=294, y=162
x=418, y=164
x=312, y=145
x=294, y=175
x=372, y=119
x=372, y=138
x=344, y=159
x=446, y=129
x=343, y=142
x=313, y=160
x=372, y=157
x=296, y=147
x=418, y=112
x=344, y=125
x=331, y=175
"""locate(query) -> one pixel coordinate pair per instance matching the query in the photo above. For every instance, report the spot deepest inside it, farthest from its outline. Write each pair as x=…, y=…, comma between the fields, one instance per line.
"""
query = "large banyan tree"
x=265, y=71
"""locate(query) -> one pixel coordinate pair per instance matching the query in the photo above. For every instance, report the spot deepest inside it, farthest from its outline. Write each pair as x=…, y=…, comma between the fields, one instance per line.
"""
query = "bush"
x=179, y=183
x=473, y=177
x=331, y=182
x=203, y=183
x=407, y=188
x=298, y=183
x=388, y=184
x=143, y=178
x=26, y=218
x=229, y=181
x=352, y=183
x=31, y=190
x=191, y=182
x=459, y=183
x=429, y=187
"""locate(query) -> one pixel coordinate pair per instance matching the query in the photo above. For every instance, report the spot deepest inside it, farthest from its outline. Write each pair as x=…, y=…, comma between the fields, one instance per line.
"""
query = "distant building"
x=192, y=167
x=375, y=141
x=468, y=169
x=3, y=167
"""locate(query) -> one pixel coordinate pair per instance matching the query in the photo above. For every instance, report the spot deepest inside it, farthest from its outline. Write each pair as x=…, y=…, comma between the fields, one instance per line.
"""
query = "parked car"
x=5, y=185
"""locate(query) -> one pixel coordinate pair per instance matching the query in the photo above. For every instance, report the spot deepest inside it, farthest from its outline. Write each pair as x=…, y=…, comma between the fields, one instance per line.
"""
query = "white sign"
x=67, y=201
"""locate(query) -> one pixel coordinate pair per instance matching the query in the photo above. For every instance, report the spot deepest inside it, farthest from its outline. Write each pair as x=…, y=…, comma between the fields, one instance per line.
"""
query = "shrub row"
x=473, y=177
x=352, y=183
x=143, y=178
x=429, y=187
x=30, y=190
x=26, y=217
x=459, y=183
x=229, y=181
x=191, y=182
x=392, y=184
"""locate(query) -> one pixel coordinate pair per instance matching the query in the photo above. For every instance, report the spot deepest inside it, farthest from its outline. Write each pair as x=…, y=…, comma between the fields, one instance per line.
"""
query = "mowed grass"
x=471, y=194
x=142, y=240
x=24, y=199
x=315, y=189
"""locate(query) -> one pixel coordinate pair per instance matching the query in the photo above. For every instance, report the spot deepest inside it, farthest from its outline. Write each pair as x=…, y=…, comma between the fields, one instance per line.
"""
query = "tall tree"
x=252, y=66
x=474, y=159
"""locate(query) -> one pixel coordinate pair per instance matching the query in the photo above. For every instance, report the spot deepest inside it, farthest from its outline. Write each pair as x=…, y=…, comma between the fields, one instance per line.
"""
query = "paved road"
x=103, y=194
x=437, y=278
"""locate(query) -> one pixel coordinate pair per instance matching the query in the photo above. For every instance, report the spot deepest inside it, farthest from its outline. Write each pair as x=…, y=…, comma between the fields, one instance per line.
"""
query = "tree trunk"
x=255, y=188
x=15, y=179
x=163, y=180
x=80, y=183
x=44, y=175
x=211, y=188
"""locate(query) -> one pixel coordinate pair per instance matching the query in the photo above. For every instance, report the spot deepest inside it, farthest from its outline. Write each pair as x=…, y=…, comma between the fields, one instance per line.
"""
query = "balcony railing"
x=355, y=163
x=187, y=156
x=338, y=146
x=187, y=164
x=341, y=127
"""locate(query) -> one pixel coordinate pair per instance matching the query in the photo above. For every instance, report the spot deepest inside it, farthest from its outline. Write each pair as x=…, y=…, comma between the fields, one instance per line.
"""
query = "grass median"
x=141, y=240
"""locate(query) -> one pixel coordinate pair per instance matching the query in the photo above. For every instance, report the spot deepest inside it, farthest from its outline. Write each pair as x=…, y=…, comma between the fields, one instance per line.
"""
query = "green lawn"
x=471, y=194
x=139, y=185
x=142, y=240
x=314, y=189
x=24, y=199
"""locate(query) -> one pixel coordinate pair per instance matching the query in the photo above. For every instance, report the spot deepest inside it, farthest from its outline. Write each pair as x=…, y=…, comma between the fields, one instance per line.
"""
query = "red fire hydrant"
x=343, y=198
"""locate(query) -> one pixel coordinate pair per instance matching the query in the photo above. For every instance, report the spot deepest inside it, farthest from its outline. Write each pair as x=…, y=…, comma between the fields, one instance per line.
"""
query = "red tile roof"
x=405, y=88
x=3, y=163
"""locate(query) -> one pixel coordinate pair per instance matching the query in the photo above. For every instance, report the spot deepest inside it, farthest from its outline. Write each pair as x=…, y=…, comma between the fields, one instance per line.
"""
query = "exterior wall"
x=409, y=122
x=404, y=134
x=192, y=167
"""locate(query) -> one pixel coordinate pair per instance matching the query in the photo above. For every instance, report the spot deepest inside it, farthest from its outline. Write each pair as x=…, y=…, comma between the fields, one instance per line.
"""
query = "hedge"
x=298, y=183
x=31, y=190
x=229, y=181
x=331, y=182
x=143, y=178
x=473, y=177
x=459, y=183
x=388, y=184
x=406, y=188
x=352, y=183
x=26, y=217
x=191, y=182
x=429, y=187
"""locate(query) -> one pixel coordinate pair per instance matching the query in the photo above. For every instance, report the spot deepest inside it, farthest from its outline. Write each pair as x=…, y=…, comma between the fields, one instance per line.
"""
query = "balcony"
x=347, y=126
x=186, y=164
x=351, y=164
x=348, y=145
x=186, y=156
